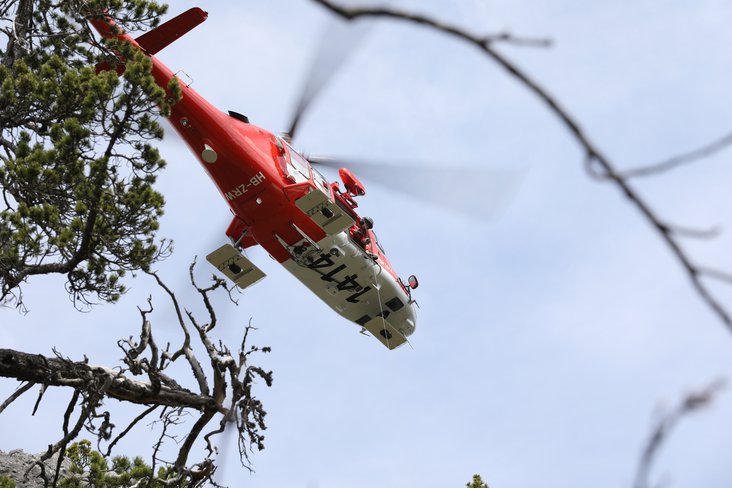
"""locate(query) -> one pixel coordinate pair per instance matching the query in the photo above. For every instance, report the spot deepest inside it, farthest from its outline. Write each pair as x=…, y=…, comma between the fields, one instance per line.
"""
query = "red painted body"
x=248, y=165
x=245, y=152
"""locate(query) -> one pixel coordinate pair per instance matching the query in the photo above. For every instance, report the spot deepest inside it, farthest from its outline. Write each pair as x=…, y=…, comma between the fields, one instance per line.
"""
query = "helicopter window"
x=363, y=320
x=320, y=180
x=299, y=163
x=395, y=304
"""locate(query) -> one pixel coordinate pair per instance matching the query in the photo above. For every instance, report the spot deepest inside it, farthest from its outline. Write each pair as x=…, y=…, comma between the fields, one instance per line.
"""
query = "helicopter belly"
x=357, y=287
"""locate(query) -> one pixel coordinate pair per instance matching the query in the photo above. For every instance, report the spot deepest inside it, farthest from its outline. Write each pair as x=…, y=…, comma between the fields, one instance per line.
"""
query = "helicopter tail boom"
x=157, y=39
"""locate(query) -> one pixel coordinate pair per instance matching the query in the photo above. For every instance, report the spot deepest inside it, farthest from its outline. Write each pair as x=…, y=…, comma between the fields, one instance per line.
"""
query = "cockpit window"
x=320, y=180
x=299, y=163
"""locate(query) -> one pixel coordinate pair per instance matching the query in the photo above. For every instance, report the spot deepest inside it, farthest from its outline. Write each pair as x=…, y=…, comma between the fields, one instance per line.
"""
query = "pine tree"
x=91, y=470
x=77, y=168
x=477, y=482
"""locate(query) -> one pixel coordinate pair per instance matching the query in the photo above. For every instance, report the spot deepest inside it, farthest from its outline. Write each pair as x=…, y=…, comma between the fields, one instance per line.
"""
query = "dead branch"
x=599, y=165
x=717, y=275
x=185, y=349
x=674, y=162
x=129, y=428
x=232, y=377
x=17, y=393
x=60, y=447
x=693, y=233
x=52, y=371
x=693, y=402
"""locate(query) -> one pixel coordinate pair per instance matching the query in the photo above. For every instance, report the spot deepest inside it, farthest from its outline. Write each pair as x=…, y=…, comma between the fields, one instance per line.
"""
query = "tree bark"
x=22, y=26
x=54, y=371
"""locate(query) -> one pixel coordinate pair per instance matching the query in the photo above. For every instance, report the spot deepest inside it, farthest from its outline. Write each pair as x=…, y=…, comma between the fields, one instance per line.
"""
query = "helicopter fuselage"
x=281, y=203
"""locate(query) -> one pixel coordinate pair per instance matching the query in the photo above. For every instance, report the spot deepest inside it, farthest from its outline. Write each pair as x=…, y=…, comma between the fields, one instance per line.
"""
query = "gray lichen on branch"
x=143, y=380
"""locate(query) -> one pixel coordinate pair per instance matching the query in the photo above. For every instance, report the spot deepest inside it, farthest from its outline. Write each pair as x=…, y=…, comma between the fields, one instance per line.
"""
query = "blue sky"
x=548, y=337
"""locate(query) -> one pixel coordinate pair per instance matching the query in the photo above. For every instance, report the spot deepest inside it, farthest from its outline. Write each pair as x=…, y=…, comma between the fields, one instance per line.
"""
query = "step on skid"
x=386, y=333
x=326, y=213
x=235, y=266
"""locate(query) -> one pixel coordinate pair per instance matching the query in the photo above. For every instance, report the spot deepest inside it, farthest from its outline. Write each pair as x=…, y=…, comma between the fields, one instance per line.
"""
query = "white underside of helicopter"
x=353, y=284
x=344, y=276
x=339, y=271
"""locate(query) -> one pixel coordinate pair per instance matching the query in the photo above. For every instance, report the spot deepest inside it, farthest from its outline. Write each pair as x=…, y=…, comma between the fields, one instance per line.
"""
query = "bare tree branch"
x=693, y=233
x=674, y=162
x=716, y=274
x=17, y=393
x=18, y=42
x=596, y=161
x=144, y=414
x=232, y=377
x=185, y=349
x=41, y=392
x=691, y=403
x=68, y=436
x=53, y=371
x=508, y=38
x=67, y=416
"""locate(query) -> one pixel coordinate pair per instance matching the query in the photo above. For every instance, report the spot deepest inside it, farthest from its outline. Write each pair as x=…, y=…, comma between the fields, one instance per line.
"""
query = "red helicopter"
x=280, y=202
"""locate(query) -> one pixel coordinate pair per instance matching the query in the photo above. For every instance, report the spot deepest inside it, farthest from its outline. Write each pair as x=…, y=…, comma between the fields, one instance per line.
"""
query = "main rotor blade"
x=339, y=40
x=474, y=192
x=225, y=446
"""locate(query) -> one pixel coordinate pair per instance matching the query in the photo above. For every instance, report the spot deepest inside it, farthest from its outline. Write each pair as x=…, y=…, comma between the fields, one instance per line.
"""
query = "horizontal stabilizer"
x=155, y=40
x=235, y=266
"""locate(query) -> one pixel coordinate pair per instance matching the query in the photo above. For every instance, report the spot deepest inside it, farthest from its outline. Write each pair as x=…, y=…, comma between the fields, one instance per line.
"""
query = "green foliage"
x=477, y=482
x=6, y=482
x=90, y=469
x=78, y=168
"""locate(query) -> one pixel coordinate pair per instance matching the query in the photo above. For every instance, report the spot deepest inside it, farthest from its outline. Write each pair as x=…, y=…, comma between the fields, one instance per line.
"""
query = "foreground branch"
x=603, y=167
x=674, y=162
x=54, y=371
x=231, y=375
x=691, y=403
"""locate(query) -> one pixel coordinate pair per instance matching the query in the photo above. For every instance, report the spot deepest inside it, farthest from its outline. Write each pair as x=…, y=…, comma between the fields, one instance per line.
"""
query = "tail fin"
x=154, y=41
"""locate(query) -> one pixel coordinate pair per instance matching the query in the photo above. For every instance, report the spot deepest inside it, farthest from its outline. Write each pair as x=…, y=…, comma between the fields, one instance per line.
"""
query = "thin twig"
x=702, y=152
x=129, y=428
x=38, y=400
x=508, y=38
x=694, y=233
x=65, y=427
x=185, y=349
x=716, y=274
x=92, y=384
x=690, y=403
x=53, y=449
x=17, y=393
